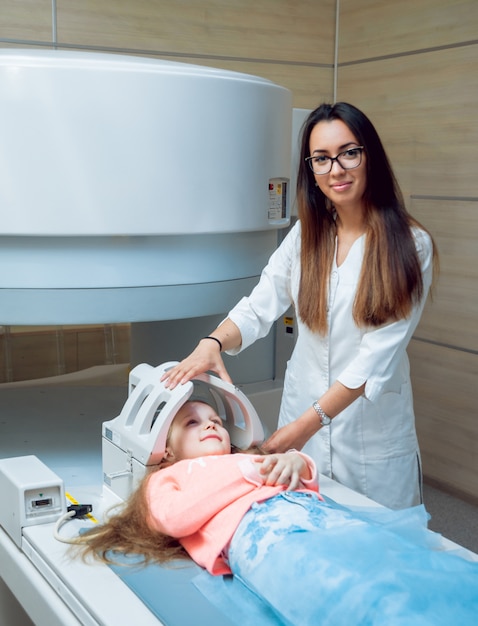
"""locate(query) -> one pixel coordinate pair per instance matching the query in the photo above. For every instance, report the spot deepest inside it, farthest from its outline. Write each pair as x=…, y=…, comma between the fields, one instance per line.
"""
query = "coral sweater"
x=202, y=501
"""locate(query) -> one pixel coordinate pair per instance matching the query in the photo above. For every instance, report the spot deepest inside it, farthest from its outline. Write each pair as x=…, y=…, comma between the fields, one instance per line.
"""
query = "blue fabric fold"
x=386, y=571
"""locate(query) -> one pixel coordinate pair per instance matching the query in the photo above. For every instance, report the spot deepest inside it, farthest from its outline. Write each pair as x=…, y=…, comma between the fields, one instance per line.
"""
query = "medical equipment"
x=31, y=494
x=138, y=208
x=148, y=192
x=56, y=590
x=136, y=439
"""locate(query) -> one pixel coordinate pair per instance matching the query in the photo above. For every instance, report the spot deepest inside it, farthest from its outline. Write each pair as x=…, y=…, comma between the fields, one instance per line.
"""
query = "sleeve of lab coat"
x=271, y=297
x=381, y=349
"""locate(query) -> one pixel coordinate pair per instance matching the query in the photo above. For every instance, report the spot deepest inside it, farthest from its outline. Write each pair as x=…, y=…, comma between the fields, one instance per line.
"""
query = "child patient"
x=261, y=518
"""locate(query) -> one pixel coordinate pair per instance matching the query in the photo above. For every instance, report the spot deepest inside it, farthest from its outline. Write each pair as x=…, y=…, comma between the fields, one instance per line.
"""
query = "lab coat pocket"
x=389, y=424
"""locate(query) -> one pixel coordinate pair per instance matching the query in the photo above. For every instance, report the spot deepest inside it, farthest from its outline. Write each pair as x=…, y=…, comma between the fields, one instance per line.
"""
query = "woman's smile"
x=341, y=186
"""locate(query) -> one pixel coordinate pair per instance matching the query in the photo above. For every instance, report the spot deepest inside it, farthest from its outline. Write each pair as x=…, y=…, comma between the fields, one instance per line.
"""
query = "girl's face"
x=343, y=187
x=196, y=431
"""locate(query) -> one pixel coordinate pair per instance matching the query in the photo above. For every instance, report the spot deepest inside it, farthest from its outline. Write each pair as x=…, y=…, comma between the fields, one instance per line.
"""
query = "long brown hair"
x=126, y=532
x=390, y=283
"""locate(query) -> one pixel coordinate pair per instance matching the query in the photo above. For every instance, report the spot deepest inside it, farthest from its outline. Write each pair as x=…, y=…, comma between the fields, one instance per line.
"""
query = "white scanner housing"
x=136, y=439
x=135, y=189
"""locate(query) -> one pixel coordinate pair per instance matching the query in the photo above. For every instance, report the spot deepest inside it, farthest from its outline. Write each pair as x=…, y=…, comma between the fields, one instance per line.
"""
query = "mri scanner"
x=132, y=190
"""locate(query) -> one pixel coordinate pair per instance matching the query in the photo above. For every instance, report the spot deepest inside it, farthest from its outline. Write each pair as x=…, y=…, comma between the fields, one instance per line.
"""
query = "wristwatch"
x=324, y=419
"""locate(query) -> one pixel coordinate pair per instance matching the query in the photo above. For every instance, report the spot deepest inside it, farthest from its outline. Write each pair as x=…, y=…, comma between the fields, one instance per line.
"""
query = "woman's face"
x=196, y=431
x=343, y=187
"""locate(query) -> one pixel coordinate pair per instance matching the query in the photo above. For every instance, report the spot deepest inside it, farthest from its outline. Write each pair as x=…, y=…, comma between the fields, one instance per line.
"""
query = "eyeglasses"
x=348, y=160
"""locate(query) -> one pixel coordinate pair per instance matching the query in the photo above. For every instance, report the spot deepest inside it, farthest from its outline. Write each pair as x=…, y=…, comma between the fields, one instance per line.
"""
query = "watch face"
x=326, y=420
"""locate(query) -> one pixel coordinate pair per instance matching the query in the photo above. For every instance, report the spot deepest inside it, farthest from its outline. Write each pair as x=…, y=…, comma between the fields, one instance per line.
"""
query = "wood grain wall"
x=291, y=43
x=413, y=68
x=28, y=353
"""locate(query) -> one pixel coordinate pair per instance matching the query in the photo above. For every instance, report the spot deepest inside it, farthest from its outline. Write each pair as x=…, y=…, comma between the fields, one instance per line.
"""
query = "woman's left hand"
x=295, y=435
x=283, y=469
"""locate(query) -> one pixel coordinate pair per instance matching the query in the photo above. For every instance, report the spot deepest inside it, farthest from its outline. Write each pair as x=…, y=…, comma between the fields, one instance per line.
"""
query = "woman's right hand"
x=204, y=358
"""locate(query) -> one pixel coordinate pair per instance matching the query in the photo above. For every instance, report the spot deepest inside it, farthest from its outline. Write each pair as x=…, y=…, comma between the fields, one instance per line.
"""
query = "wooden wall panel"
x=29, y=20
x=444, y=382
x=451, y=318
x=292, y=45
x=374, y=28
x=425, y=108
x=38, y=352
x=266, y=29
x=35, y=355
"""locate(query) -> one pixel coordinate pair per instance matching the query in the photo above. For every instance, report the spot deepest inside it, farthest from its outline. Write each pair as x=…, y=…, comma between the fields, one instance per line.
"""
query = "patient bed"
x=56, y=590
x=63, y=592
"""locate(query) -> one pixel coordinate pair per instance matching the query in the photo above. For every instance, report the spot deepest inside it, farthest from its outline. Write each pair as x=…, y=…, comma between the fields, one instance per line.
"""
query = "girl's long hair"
x=125, y=532
x=391, y=281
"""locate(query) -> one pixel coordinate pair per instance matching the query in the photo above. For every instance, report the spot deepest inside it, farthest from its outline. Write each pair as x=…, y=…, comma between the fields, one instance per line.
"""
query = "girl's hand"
x=284, y=469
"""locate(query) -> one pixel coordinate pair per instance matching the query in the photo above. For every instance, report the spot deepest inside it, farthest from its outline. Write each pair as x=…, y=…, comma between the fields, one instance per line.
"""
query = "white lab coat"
x=372, y=445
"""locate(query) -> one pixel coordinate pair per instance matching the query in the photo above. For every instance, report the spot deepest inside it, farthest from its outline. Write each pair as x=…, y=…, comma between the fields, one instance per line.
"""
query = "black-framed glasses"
x=348, y=160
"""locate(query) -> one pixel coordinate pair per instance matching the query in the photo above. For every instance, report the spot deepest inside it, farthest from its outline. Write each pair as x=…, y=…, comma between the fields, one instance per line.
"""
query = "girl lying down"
x=261, y=518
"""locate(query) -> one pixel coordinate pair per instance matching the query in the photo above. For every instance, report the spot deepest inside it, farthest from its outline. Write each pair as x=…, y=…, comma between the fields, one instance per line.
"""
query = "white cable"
x=56, y=531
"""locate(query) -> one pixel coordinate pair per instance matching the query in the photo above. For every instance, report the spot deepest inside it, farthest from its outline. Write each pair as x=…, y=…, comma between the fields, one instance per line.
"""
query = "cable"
x=75, y=510
x=74, y=501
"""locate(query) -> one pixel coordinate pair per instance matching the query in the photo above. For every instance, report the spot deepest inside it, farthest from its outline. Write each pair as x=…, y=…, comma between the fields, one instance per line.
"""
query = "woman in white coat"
x=357, y=267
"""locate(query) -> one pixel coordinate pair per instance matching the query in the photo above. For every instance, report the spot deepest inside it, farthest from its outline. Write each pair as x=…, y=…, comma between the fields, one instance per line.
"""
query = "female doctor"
x=357, y=267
